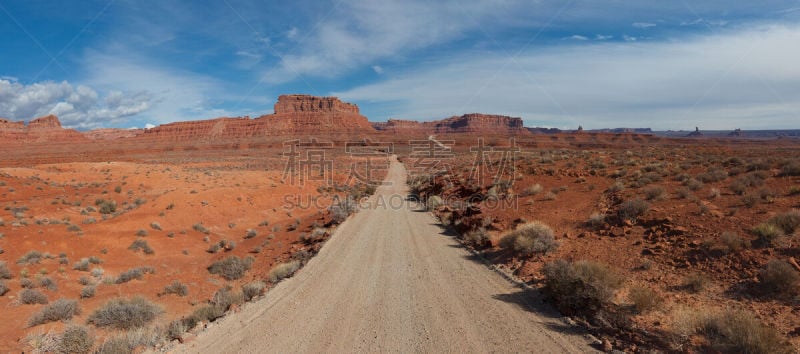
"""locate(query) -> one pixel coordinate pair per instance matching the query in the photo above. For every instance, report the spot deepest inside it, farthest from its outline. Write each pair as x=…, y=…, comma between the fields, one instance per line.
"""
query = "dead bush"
x=32, y=296
x=530, y=238
x=654, y=192
x=59, y=310
x=741, y=332
x=283, y=270
x=733, y=242
x=4, y=272
x=695, y=282
x=231, y=268
x=253, y=289
x=477, y=238
x=125, y=313
x=644, y=299
x=580, y=288
x=788, y=221
x=632, y=209
x=177, y=288
x=778, y=277
x=76, y=340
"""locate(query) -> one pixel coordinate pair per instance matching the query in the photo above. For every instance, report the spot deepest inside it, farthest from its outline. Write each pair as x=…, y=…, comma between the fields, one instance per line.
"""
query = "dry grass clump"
x=530, y=238
x=177, y=288
x=730, y=331
x=76, y=339
x=232, y=267
x=5, y=273
x=654, y=192
x=632, y=209
x=59, y=310
x=580, y=288
x=125, y=313
x=141, y=245
x=644, y=299
x=733, y=242
x=789, y=221
x=129, y=341
x=531, y=190
x=778, y=277
x=134, y=273
x=477, y=238
x=695, y=282
x=253, y=289
x=283, y=271
x=768, y=234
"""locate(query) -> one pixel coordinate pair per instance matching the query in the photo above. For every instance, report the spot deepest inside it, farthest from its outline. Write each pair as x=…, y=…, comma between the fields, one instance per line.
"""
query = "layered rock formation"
x=468, y=123
x=40, y=130
x=294, y=115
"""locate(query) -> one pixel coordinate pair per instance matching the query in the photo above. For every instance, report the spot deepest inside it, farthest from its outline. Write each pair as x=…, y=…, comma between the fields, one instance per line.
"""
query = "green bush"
x=125, y=313
x=59, y=310
x=580, y=288
x=768, y=234
x=231, y=268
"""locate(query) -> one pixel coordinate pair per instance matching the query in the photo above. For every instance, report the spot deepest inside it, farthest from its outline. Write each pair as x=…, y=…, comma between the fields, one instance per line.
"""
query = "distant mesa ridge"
x=467, y=123
x=42, y=129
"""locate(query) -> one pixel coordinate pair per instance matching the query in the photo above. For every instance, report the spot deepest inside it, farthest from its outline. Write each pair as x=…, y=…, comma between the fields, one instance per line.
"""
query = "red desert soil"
x=226, y=176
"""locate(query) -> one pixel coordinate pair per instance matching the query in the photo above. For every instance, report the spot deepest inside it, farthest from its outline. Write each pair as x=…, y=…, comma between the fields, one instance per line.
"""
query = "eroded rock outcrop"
x=468, y=123
x=294, y=115
x=39, y=130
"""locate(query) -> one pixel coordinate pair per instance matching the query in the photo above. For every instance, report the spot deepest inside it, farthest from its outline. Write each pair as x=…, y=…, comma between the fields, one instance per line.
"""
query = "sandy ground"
x=391, y=280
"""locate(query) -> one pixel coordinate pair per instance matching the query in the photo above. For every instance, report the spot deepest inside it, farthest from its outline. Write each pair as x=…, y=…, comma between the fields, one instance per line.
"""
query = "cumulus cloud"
x=737, y=79
x=76, y=106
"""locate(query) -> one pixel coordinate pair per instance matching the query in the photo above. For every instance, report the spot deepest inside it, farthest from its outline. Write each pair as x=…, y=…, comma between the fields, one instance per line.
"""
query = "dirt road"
x=390, y=280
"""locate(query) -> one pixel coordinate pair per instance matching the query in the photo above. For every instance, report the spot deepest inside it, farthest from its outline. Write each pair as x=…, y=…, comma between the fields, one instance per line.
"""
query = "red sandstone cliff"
x=468, y=123
x=40, y=130
x=294, y=115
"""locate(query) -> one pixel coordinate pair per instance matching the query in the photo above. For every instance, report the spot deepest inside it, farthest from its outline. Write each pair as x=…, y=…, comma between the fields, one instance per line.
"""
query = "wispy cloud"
x=643, y=25
x=745, y=79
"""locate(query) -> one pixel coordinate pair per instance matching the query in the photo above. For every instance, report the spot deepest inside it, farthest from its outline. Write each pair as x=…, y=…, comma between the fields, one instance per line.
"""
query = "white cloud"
x=602, y=37
x=578, y=38
x=628, y=38
x=378, y=69
x=149, y=126
x=76, y=106
x=292, y=33
x=744, y=79
x=360, y=32
x=643, y=25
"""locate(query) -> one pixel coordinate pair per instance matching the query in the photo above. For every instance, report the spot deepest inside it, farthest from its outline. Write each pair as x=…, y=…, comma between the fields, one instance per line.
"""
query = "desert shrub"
x=693, y=184
x=59, y=310
x=205, y=313
x=134, y=338
x=477, y=238
x=580, y=288
x=283, y=270
x=76, y=340
x=97, y=272
x=32, y=296
x=106, y=206
x=616, y=187
x=532, y=190
x=434, y=202
x=791, y=169
x=788, y=221
x=88, y=291
x=339, y=211
x=632, y=209
x=3, y=288
x=596, y=220
x=177, y=288
x=253, y=289
x=768, y=234
x=644, y=299
x=714, y=193
x=654, y=192
x=733, y=242
x=749, y=200
x=49, y=283
x=226, y=297
x=155, y=226
x=141, y=233
x=713, y=175
x=316, y=235
x=125, y=313
x=32, y=257
x=82, y=265
x=133, y=273
x=231, y=268
x=27, y=283
x=200, y=228
x=741, y=332
x=531, y=238
x=141, y=244
x=778, y=277
x=695, y=282
x=4, y=272
x=250, y=234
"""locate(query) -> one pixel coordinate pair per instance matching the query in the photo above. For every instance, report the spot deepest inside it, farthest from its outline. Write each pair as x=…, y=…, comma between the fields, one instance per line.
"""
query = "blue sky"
x=596, y=63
